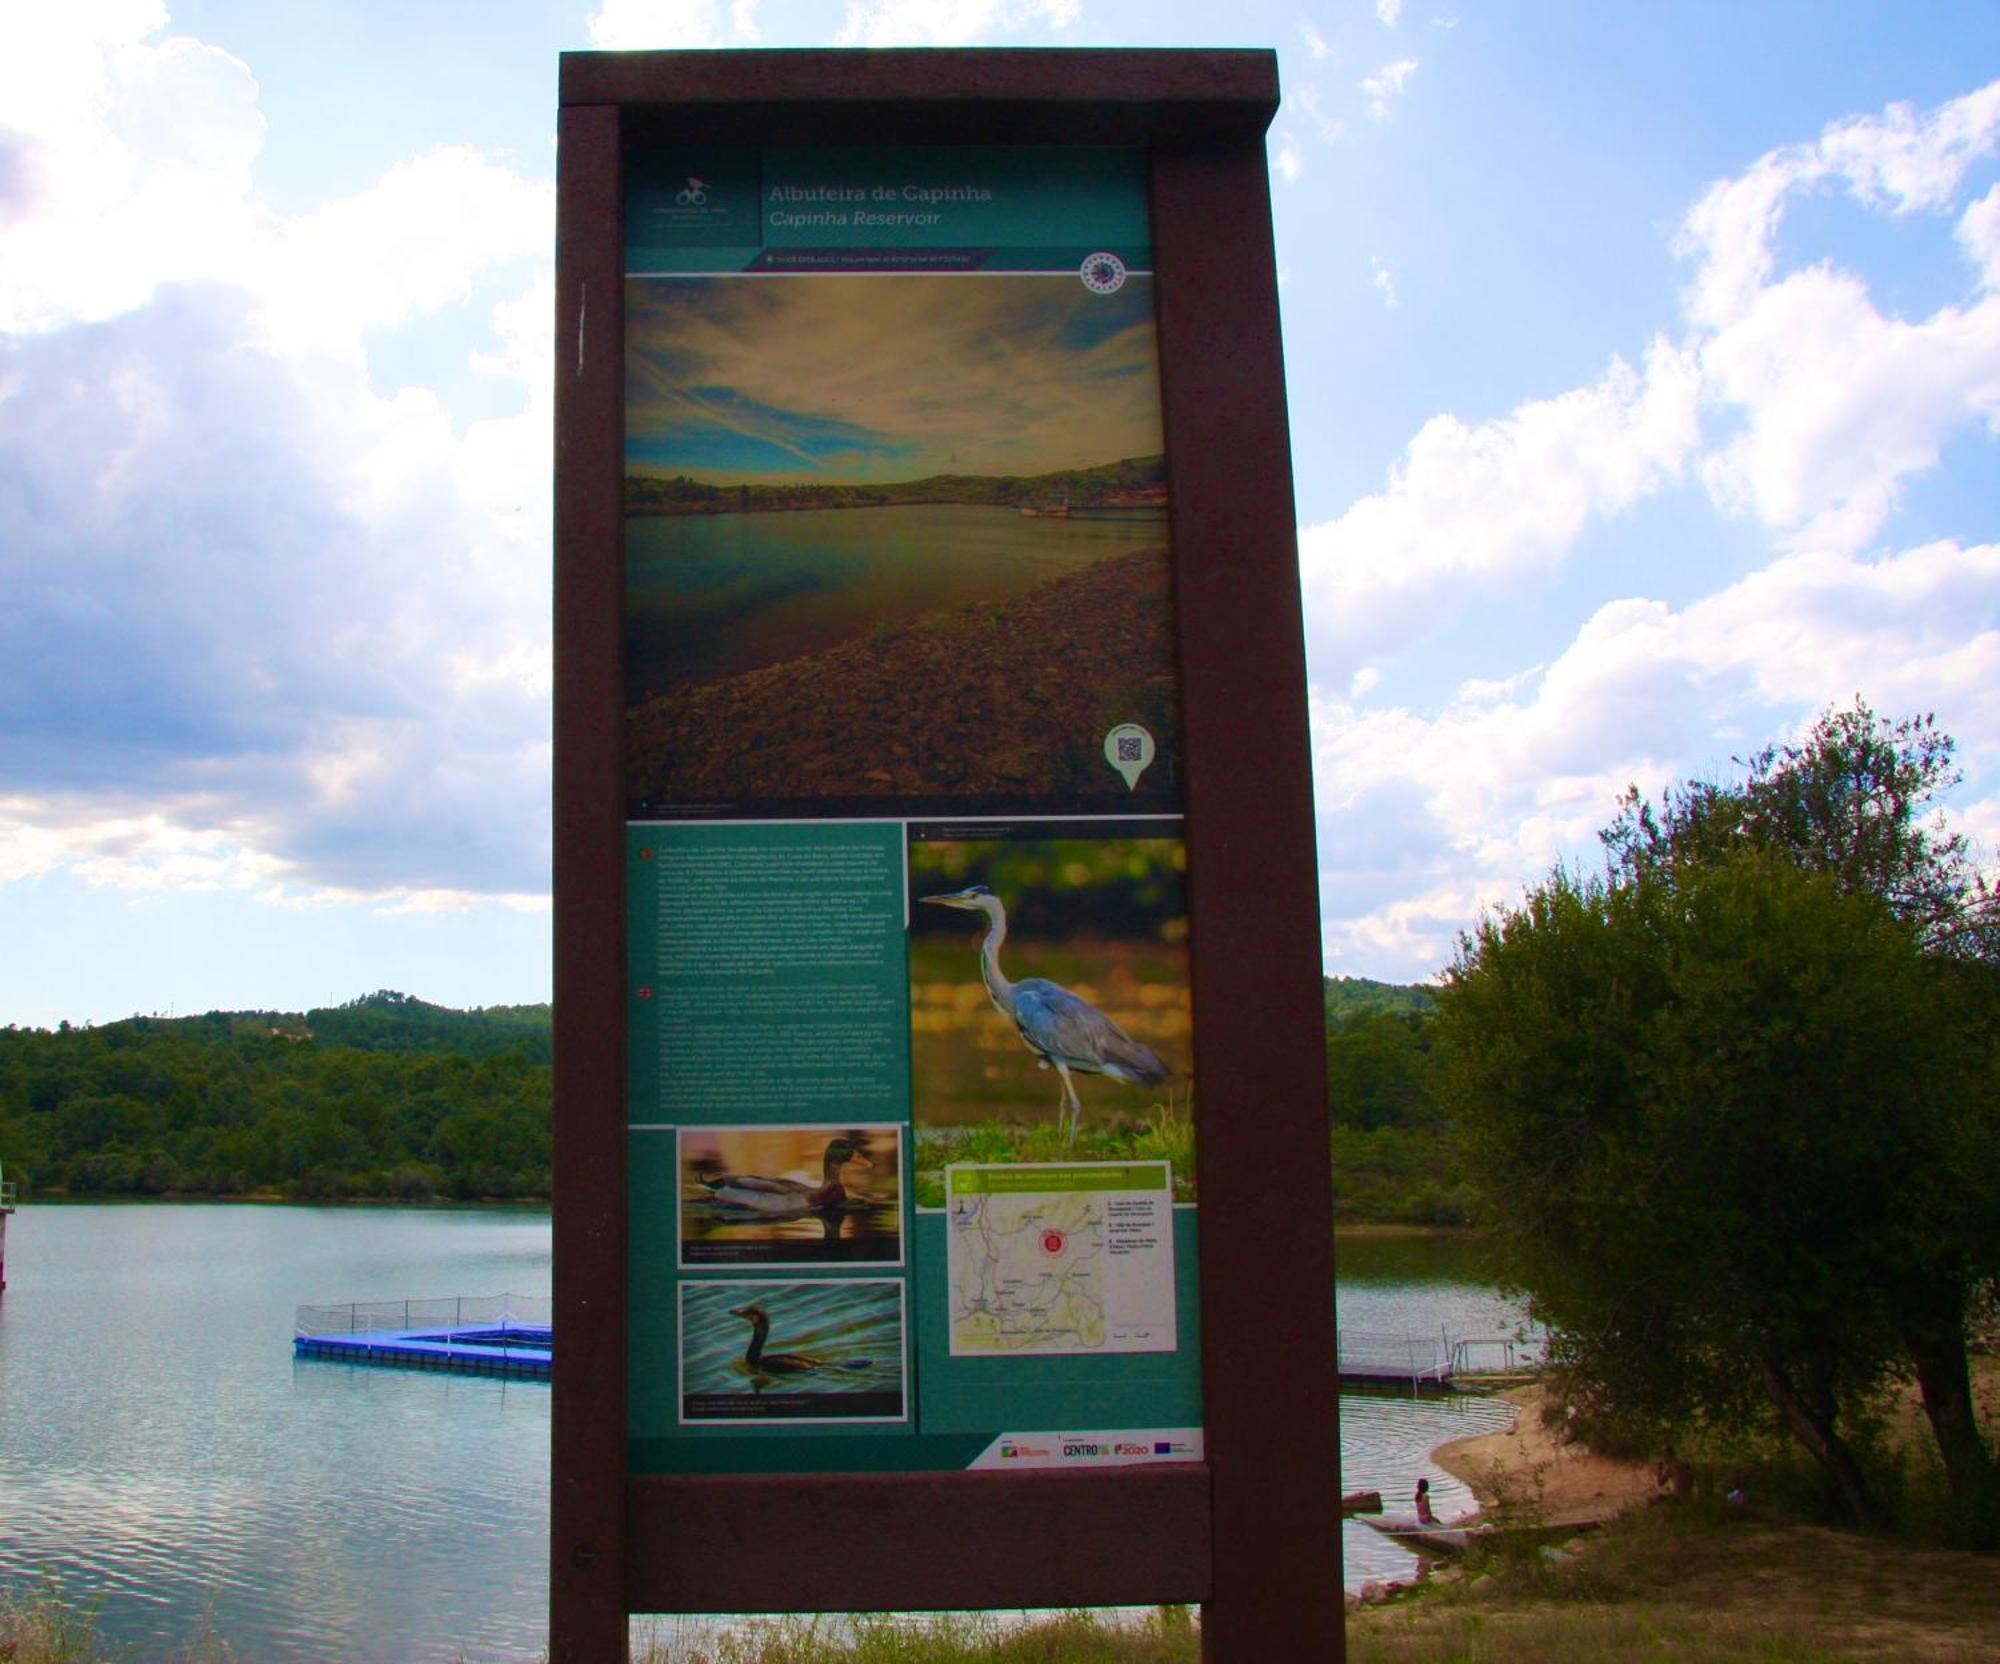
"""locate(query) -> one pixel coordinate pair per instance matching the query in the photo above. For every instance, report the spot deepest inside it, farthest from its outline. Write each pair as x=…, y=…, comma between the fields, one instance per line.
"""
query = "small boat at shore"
x=1407, y=1528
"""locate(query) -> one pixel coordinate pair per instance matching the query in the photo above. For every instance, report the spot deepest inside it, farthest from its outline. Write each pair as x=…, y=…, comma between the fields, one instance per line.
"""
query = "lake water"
x=713, y=595
x=160, y=1448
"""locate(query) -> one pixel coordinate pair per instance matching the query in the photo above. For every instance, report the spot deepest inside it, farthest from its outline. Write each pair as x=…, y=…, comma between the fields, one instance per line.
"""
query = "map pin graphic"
x=1129, y=749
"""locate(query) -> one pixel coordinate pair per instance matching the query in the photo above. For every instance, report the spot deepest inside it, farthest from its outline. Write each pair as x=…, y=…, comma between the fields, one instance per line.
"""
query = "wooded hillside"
x=389, y=1096
x=384, y=1096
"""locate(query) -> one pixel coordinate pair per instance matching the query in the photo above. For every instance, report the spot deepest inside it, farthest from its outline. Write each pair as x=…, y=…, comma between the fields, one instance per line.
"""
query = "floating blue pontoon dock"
x=499, y=1334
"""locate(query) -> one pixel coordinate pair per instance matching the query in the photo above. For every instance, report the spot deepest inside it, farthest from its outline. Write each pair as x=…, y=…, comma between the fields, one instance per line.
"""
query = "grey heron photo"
x=1050, y=1012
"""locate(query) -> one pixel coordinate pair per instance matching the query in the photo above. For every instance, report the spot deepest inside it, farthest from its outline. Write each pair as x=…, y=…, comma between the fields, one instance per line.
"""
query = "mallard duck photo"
x=794, y=1195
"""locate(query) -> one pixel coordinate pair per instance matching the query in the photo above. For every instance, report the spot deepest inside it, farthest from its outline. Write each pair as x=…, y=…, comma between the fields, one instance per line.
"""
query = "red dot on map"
x=1052, y=1242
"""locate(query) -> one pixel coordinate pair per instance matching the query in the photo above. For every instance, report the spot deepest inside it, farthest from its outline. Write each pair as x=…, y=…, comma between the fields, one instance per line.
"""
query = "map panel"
x=1060, y=1257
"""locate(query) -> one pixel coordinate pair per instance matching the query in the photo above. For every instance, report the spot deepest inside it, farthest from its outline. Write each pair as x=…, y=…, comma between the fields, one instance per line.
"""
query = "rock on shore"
x=996, y=699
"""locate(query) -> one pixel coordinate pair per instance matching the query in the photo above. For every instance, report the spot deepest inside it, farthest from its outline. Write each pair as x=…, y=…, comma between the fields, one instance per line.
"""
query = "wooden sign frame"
x=1252, y=1533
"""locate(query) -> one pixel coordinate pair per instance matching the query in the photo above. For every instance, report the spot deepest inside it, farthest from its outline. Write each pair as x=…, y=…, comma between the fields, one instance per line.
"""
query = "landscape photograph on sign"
x=896, y=538
x=790, y=1195
x=1050, y=1013
x=829, y=1349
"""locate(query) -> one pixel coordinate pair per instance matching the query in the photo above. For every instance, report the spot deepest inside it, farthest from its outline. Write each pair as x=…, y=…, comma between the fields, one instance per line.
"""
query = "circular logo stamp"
x=1104, y=274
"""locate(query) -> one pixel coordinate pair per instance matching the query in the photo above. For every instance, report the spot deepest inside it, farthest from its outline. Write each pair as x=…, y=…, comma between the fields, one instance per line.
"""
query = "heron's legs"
x=1072, y=1110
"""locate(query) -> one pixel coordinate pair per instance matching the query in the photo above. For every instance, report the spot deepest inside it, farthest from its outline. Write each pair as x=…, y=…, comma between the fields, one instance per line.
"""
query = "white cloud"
x=1897, y=160
x=661, y=25
x=1289, y=159
x=1315, y=41
x=1386, y=84
x=1979, y=235
x=1306, y=97
x=1385, y=285
x=948, y=22
x=411, y=244
x=1389, y=11
x=1468, y=510
x=268, y=627
x=1801, y=402
x=128, y=163
x=1836, y=403
x=1840, y=404
x=1510, y=777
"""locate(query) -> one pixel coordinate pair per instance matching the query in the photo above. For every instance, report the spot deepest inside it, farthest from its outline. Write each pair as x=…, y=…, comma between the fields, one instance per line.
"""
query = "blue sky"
x=1644, y=366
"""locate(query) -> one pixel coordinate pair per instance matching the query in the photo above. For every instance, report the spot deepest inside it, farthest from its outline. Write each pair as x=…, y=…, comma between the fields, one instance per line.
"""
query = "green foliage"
x=1729, y=1112
x=369, y=1099
x=1347, y=996
x=1393, y=1158
x=1398, y=1176
x=1849, y=802
x=392, y=1022
x=1127, y=889
x=1378, y=1072
x=1165, y=1636
x=1164, y=1133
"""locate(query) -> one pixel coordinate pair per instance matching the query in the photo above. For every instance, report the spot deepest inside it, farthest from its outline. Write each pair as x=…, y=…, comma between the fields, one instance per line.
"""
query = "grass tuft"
x=1167, y=1636
x=1164, y=1132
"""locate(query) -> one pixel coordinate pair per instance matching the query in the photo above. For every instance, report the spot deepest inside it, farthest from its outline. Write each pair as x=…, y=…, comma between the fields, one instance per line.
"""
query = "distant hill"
x=392, y=1022
x=1134, y=479
x=1348, y=996
x=385, y=1096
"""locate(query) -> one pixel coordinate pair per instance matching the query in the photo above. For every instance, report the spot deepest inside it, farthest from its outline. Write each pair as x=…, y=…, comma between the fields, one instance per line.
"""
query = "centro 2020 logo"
x=1104, y=274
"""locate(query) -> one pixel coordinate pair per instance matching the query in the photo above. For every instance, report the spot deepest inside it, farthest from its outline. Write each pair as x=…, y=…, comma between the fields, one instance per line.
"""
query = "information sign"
x=935, y=950
x=907, y=880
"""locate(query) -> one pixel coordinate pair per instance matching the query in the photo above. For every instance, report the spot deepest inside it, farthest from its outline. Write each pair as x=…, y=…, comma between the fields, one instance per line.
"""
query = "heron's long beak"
x=957, y=898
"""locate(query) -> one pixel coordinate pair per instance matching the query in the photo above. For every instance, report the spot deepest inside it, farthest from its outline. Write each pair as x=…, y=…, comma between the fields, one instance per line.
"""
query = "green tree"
x=1696, y=1115
x=1378, y=1072
x=1855, y=801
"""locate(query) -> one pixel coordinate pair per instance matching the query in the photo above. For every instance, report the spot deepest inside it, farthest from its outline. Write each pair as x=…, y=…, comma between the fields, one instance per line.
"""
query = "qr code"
x=1129, y=749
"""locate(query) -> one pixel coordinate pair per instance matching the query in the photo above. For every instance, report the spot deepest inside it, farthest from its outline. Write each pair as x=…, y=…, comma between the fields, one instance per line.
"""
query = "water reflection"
x=715, y=595
x=159, y=1446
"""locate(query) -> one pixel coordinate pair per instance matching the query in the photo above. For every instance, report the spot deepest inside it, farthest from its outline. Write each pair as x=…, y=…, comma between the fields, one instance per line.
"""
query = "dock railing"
x=1492, y=1355
x=7, y=1192
x=1419, y=1360
x=1435, y=1361
x=443, y=1315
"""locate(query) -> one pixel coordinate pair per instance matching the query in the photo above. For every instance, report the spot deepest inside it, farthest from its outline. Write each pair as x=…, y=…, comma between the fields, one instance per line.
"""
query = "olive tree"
x=1855, y=801
x=1695, y=1115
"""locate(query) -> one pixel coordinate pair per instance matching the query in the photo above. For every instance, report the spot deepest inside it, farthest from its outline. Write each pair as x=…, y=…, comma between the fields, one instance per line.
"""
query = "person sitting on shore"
x=1425, y=1515
x=1672, y=1474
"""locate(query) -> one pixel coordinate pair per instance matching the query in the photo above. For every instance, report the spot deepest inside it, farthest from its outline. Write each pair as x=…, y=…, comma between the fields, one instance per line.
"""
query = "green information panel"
x=910, y=1060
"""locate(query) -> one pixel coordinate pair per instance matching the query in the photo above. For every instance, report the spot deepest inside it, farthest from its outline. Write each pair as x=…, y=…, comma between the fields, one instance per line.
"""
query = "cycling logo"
x=696, y=194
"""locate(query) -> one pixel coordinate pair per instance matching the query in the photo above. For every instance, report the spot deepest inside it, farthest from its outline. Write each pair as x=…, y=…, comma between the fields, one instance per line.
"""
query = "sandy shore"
x=1565, y=1483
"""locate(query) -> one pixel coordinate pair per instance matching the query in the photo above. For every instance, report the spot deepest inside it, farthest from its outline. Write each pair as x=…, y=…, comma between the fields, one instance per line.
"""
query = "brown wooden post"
x=587, y=1613
x=1269, y=1388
